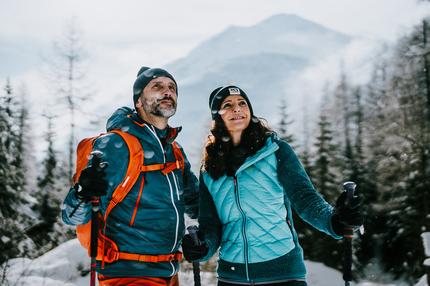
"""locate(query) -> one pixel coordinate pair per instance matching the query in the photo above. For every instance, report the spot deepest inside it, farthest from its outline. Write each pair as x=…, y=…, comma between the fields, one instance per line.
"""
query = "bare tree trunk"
x=68, y=74
x=71, y=106
x=426, y=67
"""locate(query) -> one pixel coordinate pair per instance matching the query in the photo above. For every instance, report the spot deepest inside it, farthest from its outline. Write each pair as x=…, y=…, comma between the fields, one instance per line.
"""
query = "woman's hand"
x=193, y=252
x=347, y=214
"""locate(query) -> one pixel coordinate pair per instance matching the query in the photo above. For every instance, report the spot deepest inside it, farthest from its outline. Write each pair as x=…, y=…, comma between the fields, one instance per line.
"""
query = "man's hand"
x=92, y=182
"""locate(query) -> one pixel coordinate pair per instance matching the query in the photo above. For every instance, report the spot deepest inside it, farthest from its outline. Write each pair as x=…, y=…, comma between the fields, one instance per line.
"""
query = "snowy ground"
x=62, y=265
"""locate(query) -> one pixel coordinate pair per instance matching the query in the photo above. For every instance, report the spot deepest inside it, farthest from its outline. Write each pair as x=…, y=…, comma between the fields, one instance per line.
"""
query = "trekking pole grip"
x=192, y=230
x=349, y=188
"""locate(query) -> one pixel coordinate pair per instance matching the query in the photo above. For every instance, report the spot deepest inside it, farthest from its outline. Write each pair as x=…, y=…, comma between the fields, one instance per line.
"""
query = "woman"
x=249, y=182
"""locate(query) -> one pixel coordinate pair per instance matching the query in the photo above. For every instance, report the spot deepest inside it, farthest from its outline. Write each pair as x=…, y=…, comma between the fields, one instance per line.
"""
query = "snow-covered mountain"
x=266, y=60
x=281, y=34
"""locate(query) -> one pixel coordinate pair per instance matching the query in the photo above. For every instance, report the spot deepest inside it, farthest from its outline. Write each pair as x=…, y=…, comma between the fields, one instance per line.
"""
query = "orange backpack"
x=107, y=250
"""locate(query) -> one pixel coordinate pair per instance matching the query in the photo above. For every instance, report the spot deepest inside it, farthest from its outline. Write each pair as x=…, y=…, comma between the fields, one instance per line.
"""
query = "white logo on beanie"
x=234, y=91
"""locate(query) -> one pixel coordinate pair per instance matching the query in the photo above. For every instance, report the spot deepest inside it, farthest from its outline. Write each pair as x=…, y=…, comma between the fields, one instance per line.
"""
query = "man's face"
x=159, y=97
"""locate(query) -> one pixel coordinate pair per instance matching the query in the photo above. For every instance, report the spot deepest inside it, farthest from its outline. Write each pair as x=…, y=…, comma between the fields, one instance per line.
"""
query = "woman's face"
x=235, y=113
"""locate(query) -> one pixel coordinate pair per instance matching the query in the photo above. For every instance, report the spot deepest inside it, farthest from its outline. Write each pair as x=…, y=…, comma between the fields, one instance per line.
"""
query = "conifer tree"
x=324, y=173
x=48, y=232
x=400, y=157
x=285, y=124
x=325, y=177
x=305, y=152
x=412, y=129
x=366, y=187
x=9, y=196
x=13, y=220
x=342, y=101
x=25, y=158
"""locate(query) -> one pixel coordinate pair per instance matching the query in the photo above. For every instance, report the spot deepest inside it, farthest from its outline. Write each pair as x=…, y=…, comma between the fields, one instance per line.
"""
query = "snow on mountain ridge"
x=297, y=22
x=282, y=33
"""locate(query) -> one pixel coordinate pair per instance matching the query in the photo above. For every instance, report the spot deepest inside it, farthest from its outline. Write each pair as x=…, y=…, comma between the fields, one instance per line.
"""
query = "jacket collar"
x=171, y=134
x=268, y=148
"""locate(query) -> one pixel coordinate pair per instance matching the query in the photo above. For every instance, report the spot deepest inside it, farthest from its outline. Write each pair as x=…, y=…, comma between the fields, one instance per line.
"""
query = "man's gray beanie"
x=144, y=76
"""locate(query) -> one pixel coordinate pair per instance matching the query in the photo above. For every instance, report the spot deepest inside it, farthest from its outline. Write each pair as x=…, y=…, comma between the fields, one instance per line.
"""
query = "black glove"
x=347, y=215
x=192, y=251
x=92, y=182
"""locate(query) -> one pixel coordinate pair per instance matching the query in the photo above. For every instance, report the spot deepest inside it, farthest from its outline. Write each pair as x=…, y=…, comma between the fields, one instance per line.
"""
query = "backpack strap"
x=180, y=161
x=179, y=156
x=135, y=161
x=169, y=166
x=150, y=258
x=113, y=254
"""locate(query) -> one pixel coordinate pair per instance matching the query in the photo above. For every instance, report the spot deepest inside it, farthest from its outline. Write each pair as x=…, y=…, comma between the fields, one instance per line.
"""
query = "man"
x=149, y=221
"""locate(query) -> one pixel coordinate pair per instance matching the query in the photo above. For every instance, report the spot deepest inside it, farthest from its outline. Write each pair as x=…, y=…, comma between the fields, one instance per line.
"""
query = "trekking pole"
x=74, y=210
x=192, y=230
x=348, y=233
x=95, y=208
x=95, y=203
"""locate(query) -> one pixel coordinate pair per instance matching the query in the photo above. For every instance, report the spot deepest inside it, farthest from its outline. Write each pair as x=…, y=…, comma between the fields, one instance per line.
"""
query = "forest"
x=376, y=134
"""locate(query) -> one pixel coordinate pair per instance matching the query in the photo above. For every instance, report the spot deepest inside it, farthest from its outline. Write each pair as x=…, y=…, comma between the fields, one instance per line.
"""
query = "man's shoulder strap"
x=179, y=156
x=135, y=161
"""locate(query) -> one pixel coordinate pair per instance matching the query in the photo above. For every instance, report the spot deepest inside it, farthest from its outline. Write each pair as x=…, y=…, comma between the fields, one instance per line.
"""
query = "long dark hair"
x=219, y=145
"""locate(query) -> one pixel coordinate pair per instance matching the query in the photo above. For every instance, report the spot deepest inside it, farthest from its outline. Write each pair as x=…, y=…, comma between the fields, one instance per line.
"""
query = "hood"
x=119, y=119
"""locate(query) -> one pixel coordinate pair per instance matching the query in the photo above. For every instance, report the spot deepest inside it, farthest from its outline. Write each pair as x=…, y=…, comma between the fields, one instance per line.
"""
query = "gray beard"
x=155, y=109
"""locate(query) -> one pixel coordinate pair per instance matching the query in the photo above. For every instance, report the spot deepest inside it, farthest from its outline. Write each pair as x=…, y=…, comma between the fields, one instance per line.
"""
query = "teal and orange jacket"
x=249, y=216
x=158, y=225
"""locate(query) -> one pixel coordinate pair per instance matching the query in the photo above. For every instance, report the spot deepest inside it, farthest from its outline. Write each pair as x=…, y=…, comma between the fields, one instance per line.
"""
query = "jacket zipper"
x=245, y=239
x=136, y=206
x=170, y=187
x=175, y=180
x=290, y=224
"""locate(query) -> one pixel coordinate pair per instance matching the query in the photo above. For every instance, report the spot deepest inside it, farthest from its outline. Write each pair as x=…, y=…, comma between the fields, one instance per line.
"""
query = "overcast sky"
x=136, y=32
x=121, y=36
